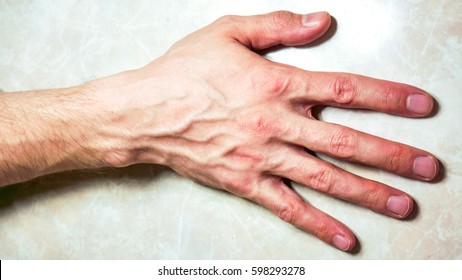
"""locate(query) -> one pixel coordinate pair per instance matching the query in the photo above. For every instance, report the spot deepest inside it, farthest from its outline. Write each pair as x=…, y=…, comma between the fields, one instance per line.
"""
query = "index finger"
x=356, y=91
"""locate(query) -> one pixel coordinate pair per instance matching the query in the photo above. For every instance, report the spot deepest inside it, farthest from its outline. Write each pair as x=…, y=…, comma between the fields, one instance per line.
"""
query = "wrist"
x=127, y=108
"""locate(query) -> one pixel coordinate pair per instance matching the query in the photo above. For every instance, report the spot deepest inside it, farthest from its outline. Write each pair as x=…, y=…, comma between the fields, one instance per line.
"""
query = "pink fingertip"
x=419, y=104
x=314, y=19
x=341, y=242
x=425, y=167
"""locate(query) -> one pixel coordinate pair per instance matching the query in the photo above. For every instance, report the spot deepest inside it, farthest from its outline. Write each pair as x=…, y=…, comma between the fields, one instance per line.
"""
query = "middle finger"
x=352, y=145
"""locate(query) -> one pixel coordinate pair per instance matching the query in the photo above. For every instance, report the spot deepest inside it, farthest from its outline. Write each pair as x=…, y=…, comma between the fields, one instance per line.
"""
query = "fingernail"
x=341, y=242
x=312, y=20
x=425, y=167
x=419, y=104
x=399, y=205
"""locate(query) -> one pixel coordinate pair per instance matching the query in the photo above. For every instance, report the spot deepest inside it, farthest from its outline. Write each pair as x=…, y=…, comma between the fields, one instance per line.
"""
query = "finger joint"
x=344, y=90
x=394, y=159
x=321, y=228
x=343, y=143
x=261, y=124
x=281, y=19
x=272, y=82
x=371, y=196
x=391, y=99
x=289, y=211
x=321, y=180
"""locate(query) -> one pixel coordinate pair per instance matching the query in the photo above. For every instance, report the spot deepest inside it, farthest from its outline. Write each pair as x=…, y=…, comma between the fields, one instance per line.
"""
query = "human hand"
x=215, y=111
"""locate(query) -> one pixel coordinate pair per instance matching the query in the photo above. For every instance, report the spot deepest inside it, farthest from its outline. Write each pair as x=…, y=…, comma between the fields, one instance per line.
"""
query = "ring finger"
x=327, y=178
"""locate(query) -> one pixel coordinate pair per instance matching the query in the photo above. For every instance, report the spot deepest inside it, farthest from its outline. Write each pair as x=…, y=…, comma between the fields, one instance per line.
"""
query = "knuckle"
x=344, y=90
x=321, y=228
x=241, y=186
x=226, y=20
x=394, y=159
x=227, y=23
x=262, y=124
x=343, y=143
x=371, y=197
x=272, y=82
x=321, y=180
x=289, y=212
x=391, y=100
x=281, y=19
x=259, y=124
x=245, y=159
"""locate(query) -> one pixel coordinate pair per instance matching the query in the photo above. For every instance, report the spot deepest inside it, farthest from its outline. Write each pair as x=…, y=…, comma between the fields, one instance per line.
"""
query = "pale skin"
x=216, y=112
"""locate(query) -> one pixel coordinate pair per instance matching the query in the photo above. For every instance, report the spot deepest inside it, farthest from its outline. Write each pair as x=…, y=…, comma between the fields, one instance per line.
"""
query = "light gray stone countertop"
x=148, y=212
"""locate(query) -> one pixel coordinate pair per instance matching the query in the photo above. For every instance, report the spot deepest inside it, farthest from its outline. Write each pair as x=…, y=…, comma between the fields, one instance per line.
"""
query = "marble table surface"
x=150, y=212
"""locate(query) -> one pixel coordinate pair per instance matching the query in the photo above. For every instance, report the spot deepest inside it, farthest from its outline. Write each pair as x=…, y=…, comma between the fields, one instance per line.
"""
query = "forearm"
x=48, y=131
x=89, y=126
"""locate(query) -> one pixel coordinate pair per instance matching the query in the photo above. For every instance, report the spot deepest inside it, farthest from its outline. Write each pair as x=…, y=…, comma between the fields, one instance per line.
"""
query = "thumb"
x=282, y=27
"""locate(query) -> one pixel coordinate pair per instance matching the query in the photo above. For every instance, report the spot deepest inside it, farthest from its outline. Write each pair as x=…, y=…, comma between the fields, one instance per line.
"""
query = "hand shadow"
x=64, y=182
